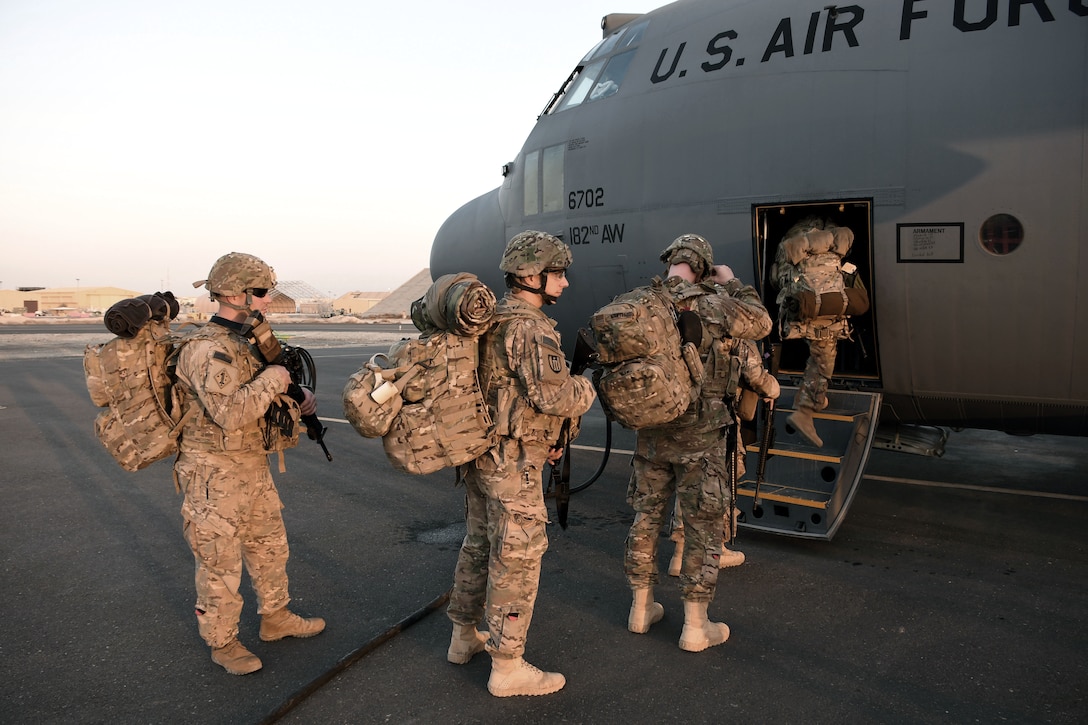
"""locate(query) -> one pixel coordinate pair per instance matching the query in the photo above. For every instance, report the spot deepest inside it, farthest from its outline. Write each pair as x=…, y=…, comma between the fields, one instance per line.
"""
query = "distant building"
x=63, y=301
x=294, y=297
x=356, y=303
x=398, y=304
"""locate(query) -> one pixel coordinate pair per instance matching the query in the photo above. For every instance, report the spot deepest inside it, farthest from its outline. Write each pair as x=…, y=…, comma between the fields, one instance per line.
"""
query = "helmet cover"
x=234, y=273
x=530, y=253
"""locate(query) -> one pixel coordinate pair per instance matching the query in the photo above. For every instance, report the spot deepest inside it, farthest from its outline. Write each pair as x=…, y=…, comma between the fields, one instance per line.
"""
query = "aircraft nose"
x=471, y=240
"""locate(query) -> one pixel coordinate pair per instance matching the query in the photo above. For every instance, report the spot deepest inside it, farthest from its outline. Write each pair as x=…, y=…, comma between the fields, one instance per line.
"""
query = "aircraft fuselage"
x=950, y=136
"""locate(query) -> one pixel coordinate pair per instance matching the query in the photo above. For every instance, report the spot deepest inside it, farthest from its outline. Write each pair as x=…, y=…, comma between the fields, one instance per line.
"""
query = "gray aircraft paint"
x=912, y=122
x=935, y=115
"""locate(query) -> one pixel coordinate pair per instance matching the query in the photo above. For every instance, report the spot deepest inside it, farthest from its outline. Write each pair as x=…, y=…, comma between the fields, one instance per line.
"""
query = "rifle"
x=300, y=365
x=768, y=430
x=734, y=452
x=303, y=371
x=559, y=478
x=585, y=352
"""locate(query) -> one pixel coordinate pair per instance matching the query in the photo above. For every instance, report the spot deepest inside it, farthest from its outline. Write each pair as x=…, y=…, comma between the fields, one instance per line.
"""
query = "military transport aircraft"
x=951, y=137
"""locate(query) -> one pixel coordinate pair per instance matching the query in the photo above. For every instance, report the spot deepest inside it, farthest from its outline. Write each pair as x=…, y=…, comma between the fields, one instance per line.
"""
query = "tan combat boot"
x=801, y=419
x=644, y=610
x=235, y=659
x=518, y=677
x=730, y=558
x=466, y=642
x=699, y=632
x=285, y=623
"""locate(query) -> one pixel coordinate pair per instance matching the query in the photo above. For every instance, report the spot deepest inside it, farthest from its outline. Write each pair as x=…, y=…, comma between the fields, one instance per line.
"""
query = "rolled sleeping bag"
x=127, y=317
x=458, y=303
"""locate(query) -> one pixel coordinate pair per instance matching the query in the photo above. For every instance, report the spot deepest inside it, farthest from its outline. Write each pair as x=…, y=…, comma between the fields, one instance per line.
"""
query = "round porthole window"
x=1001, y=234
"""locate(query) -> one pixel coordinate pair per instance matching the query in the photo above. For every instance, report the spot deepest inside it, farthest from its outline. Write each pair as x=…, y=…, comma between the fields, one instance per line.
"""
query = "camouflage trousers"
x=729, y=524
x=232, y=518
x=691, y=465
x=498, y=568
x=818, y=371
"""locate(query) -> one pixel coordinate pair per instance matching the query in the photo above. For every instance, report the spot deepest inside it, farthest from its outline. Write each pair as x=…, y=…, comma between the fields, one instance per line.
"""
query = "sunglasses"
x=259, y=291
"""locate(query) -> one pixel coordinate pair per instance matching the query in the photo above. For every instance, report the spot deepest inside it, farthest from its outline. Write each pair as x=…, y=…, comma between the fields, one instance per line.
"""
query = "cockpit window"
x=594, y=79
x=606, y=45
x=610, y=80
x=580, y=89
x=633, y=34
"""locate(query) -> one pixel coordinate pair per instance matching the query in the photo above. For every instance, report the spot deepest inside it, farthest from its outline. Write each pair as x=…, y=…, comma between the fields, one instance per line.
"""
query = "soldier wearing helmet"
x=529, y=393
x=237, y=274
x=687, y=457
x=238, y=410
x=532, y=255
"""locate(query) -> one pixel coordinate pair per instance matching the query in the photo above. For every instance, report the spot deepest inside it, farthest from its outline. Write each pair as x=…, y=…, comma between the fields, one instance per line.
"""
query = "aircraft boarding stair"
x=806, y=490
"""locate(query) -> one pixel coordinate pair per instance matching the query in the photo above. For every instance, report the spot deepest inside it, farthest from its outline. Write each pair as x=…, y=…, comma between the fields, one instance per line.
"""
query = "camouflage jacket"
x=524, y=376
x=221, y=374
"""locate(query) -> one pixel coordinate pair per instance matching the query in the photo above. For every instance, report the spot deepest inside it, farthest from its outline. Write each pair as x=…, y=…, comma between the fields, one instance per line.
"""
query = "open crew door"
x=806, y=491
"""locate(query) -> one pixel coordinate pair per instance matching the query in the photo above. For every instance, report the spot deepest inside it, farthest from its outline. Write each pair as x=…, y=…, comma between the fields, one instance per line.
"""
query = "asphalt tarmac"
x=955, y=591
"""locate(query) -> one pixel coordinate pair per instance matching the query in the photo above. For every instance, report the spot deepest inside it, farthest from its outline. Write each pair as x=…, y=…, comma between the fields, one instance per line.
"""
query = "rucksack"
x=812, y=290
x=645, y=381
x=132, y=377
x=423, y=398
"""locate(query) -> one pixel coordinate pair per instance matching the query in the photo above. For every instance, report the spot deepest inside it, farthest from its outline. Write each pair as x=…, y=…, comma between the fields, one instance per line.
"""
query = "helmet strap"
x=547, y=298
x=247, y=308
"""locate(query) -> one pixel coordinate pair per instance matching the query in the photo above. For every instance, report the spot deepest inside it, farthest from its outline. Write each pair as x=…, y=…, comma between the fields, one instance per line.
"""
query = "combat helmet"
x=234, y=273
x=530, y=253
x=694, y=250
x=534, y=252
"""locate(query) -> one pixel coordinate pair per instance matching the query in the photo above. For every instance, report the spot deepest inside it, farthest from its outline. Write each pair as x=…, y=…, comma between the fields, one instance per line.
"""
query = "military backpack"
x=132, y=377
x=645, y=381
x=423, y=398
x=814, y=295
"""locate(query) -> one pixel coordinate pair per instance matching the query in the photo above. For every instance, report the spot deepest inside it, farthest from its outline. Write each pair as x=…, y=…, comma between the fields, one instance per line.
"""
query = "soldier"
x=688, y=455
x=530, y=393
x=753, y=376
x=808, y=264
x=238, y=411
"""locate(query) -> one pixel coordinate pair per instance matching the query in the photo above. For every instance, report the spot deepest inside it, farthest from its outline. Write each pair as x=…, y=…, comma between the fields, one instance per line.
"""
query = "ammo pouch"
x=515, y=417
x=746, y=404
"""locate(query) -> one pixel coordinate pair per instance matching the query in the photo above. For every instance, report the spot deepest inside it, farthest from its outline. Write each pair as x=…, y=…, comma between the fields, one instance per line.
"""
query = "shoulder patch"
x=545, y=340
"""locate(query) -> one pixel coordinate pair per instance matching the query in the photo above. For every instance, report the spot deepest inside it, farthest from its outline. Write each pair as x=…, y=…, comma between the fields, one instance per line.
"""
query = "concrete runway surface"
x=955, y=591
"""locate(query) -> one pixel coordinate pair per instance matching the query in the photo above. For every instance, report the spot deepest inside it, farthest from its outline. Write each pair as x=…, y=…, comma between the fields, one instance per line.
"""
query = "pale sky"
x=142, y=139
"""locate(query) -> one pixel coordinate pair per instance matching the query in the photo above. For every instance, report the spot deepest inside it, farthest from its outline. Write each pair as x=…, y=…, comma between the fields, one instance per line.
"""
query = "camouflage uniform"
x=529, y=393
x=232, y=509
x=756, y=377
x=688, y=455
x=822, y=272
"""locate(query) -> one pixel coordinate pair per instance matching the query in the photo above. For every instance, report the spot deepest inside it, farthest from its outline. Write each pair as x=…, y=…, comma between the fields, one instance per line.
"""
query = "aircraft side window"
x=552, y=171
x=612, y=77
x=1001, y=234
x=532, y=185
x=582, y=85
